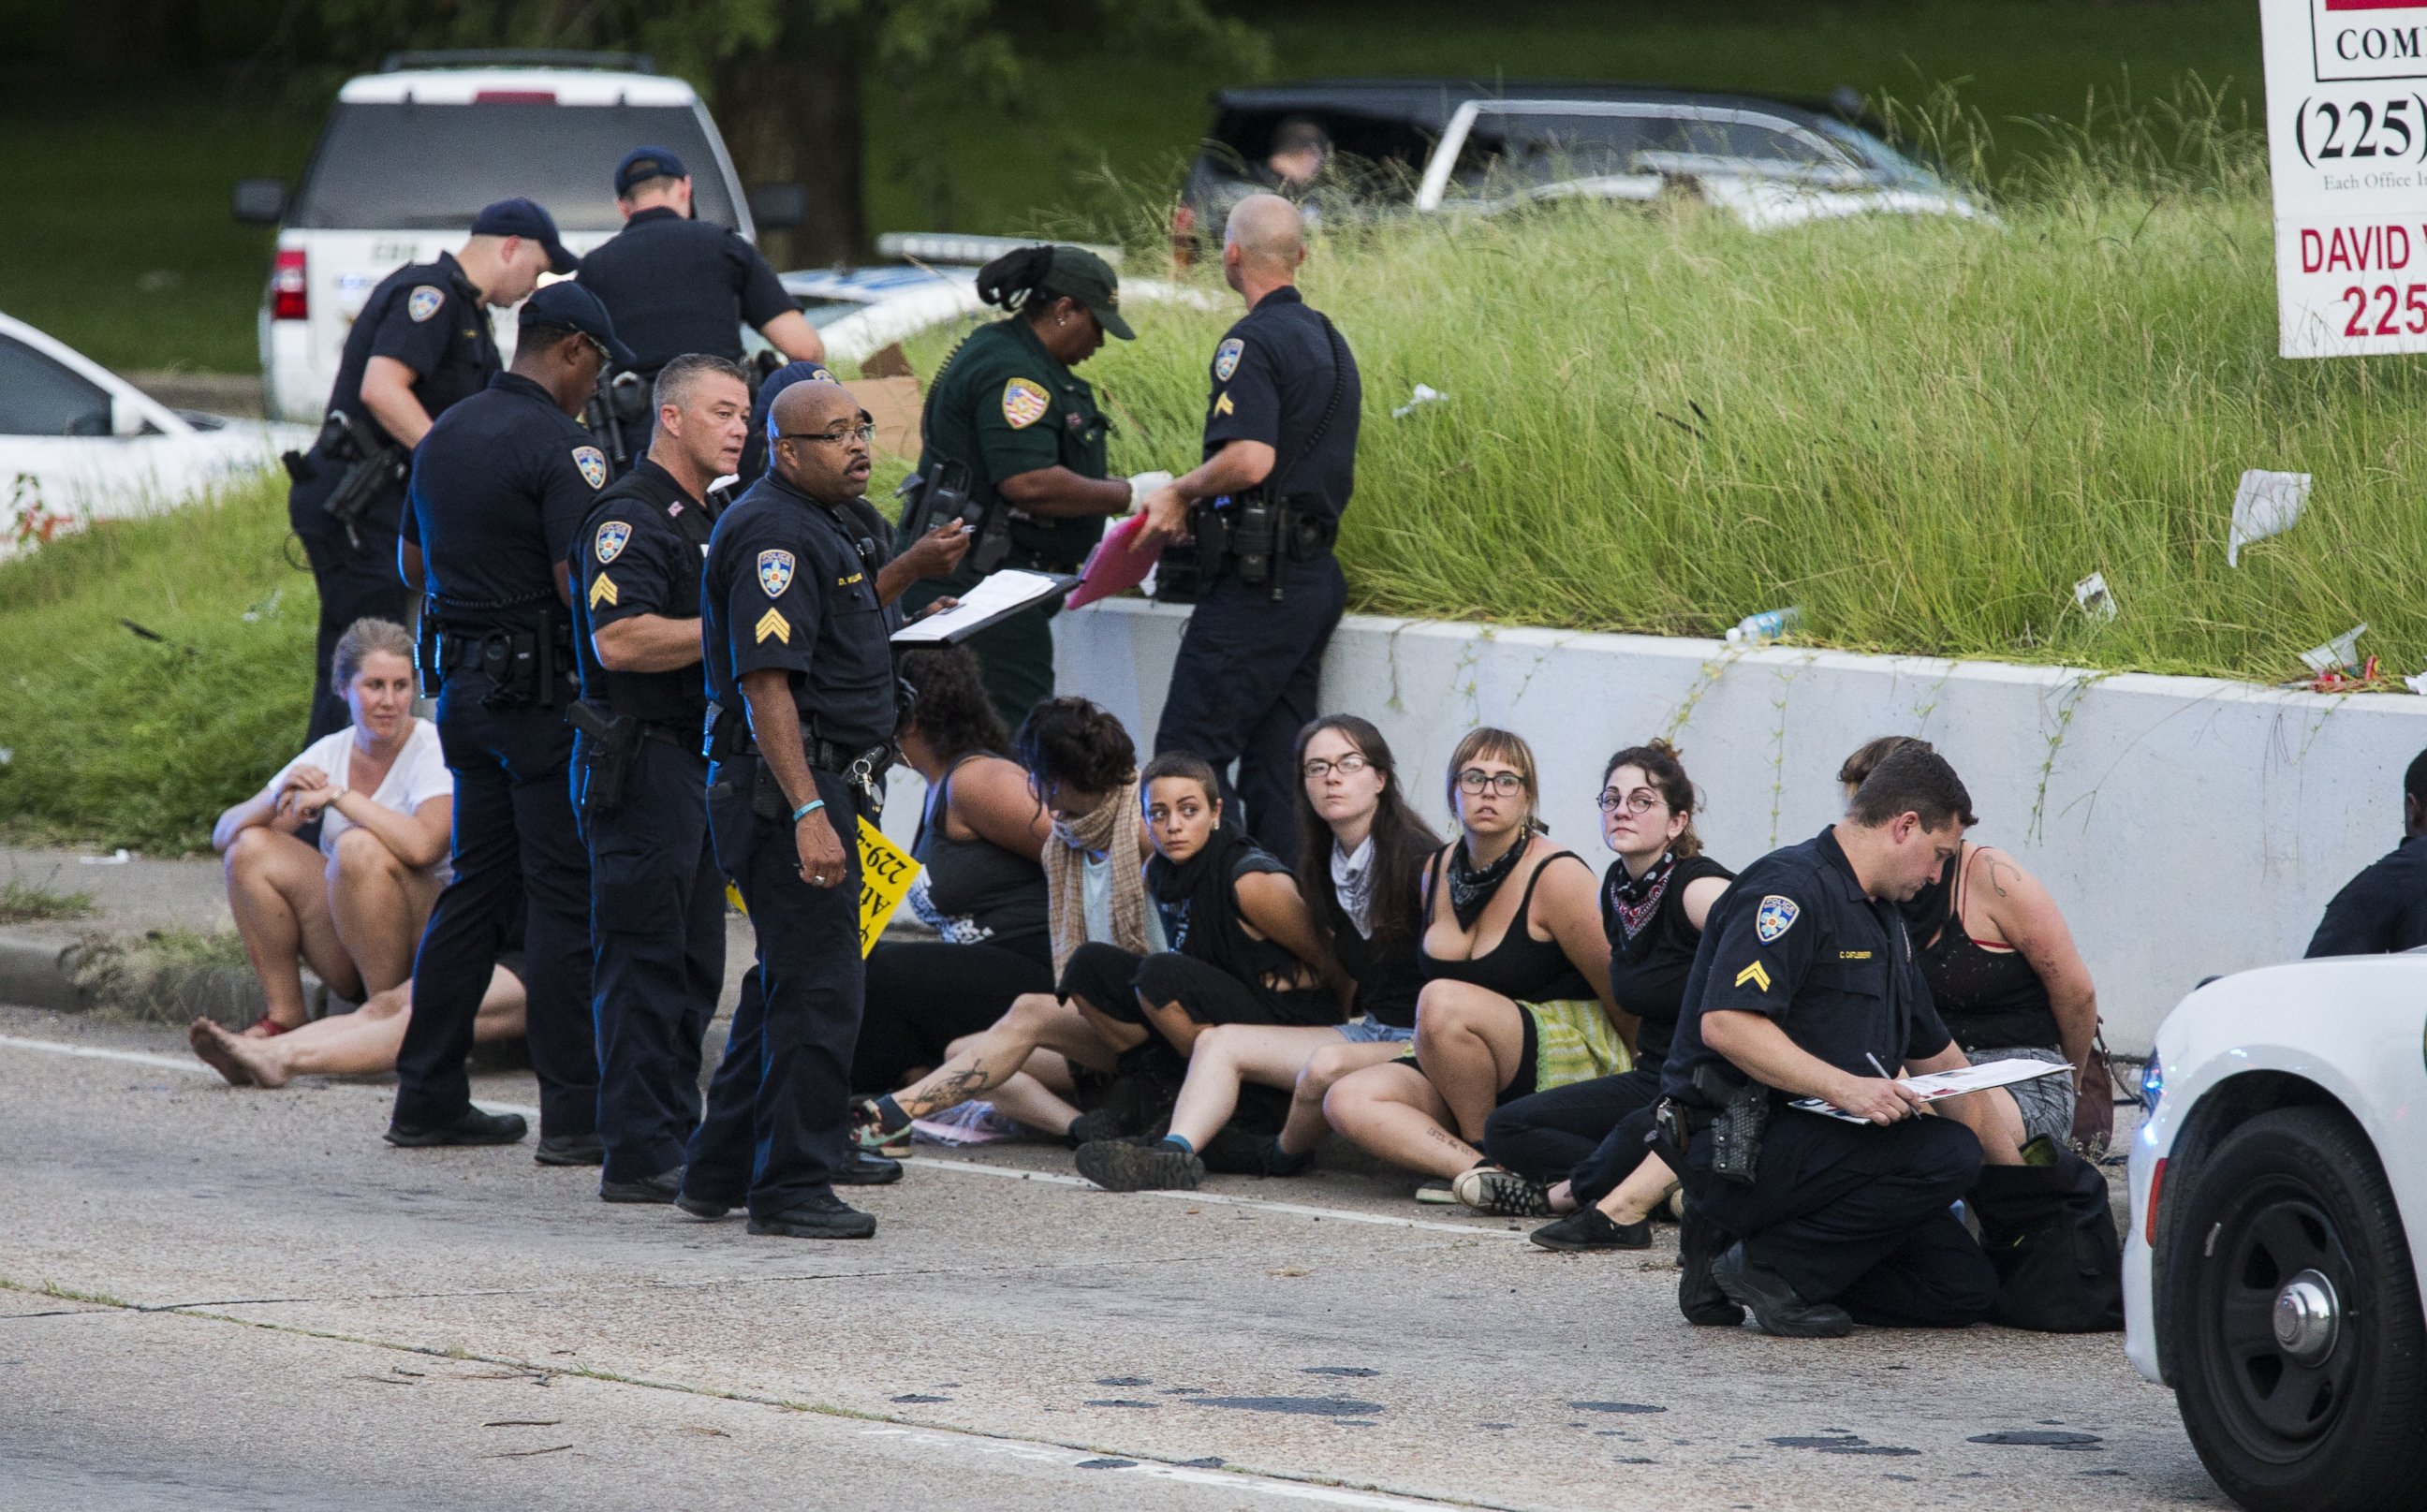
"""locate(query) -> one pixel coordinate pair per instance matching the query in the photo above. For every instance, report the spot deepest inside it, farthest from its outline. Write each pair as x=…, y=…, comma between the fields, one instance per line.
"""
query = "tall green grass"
x=123, y=740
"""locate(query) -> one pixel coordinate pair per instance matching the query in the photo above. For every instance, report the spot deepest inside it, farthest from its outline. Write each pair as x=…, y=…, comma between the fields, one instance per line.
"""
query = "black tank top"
x=1647, y=968
x=975, y=892
x=1519, y=968
x=1388, y=975
x=1990, y=999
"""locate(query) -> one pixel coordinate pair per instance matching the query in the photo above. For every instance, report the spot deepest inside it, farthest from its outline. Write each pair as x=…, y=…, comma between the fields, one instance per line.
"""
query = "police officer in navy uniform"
x=657, y=901
x=421, y=343
x=796, y=626
x=499, y=485
x=1280, y=449
x=1805, y=987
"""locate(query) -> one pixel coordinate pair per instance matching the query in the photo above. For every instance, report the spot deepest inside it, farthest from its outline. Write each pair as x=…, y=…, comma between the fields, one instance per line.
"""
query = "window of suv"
x=1509, y=150
x=400, y=166
x=39, y=398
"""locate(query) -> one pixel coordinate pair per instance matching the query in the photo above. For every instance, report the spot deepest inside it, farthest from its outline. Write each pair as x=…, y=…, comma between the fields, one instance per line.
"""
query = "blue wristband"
x=807, y=809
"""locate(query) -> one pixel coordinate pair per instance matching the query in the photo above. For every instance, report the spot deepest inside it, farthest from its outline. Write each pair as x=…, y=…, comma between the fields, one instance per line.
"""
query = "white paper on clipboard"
x=996, y=596
x=1931, y=1086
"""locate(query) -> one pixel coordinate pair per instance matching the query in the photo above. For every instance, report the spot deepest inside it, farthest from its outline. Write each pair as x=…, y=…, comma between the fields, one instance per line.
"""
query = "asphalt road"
x=239, y=1299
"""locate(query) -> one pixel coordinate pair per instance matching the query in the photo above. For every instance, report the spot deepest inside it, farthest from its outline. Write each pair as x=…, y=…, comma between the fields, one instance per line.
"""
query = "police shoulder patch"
x=1777, y=915
x=610, y=544
x=1226, y=359
x=1024, y=402
x=593, y=464
x=774, y=573
x=424, y=302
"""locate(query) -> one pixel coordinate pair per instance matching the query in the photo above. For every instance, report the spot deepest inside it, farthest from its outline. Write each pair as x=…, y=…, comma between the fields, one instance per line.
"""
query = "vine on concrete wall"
x=2067, y=703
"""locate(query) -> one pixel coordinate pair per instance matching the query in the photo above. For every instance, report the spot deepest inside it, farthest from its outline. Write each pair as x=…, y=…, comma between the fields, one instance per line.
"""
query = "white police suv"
x=410, y=154
x=2279, y=1188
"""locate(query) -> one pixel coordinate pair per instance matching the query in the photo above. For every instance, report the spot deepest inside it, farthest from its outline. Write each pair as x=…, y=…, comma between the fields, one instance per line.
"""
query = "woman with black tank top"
x=1365, y=853
x=980, y=888
x=1516, y=994
x=1588, y=1137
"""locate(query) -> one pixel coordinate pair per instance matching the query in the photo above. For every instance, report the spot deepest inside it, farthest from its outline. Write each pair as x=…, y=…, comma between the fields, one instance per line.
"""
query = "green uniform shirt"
x=1005, y=406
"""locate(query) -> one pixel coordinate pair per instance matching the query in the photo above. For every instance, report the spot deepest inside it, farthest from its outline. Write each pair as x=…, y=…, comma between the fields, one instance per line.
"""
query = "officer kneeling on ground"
x=421, y=344
x=657, y=901
x=794, y=625
x=499, y=485
x=1281, y=463
x=1805, y=987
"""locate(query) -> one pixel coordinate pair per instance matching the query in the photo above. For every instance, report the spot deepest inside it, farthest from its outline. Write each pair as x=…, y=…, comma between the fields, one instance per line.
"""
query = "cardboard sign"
x=886, y=872
x=2346, y=142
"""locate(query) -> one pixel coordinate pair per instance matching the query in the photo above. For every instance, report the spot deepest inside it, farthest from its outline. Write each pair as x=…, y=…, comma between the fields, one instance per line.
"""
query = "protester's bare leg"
x=1306, y=1127
x=1026, y=1102
x=1035, y=1020
x=502, y=1009
x=1228, y=1055
x=1994, y=1119
x=1119, y=1036
x=282, y=912
x=1645, y=1188
x=362, y=1043
x=378, y=905
x=1172, y=1022
x=1469, y=1040
x=1393, y=1112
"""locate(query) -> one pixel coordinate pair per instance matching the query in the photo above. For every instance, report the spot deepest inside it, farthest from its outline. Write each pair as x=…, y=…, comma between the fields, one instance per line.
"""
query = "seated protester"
x=1806, y=986
x=1083, y=773
x=354, y=908
x=362, y=1043
x=2005, y=980
x=1360, y=831
x=1516, y=972
x=1587, y=1137
x=981, y=887
x=2384, y=909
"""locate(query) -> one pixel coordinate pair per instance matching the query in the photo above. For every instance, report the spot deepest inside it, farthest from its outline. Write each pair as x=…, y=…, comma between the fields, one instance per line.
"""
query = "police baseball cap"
x=643, y=163
x=570, y=307
x=1090, y=279
x=527, y=219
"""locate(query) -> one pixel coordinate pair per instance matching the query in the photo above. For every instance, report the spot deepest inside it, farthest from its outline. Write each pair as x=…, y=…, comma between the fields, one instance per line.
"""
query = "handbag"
x=2093, y=1108
x=2050, y=1232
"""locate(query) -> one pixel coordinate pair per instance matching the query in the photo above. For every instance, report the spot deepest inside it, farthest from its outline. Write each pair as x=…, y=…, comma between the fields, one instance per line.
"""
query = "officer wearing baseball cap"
x=421, y=343
x=1007, y=421
x=499, y=486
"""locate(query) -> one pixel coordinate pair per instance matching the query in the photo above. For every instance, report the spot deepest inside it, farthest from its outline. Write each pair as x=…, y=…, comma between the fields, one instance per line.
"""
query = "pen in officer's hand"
x=1876, y=1066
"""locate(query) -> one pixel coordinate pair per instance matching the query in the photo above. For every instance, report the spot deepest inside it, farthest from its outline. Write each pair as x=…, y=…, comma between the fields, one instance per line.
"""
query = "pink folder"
x=1117, y=565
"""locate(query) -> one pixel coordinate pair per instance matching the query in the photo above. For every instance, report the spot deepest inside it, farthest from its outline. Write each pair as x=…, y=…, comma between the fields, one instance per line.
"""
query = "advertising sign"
x=2346, y=142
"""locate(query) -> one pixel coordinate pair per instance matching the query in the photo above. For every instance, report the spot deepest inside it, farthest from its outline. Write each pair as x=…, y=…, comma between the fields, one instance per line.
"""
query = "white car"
x=2280, y=1191
x=78, y=442
x=411, y=154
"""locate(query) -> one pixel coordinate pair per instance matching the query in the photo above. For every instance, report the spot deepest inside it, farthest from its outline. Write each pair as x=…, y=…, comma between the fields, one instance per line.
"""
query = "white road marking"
x=1156, y=1469
x=926, y=1163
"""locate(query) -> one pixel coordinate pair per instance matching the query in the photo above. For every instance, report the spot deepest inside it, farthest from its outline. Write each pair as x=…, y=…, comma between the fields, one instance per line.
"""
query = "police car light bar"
x=946, y=247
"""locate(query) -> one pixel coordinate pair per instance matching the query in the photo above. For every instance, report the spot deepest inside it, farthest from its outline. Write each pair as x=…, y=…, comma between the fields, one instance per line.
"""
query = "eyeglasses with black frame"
x=864, y=434
x=1319, y=769
x=1641, y=800
x=1505, y=784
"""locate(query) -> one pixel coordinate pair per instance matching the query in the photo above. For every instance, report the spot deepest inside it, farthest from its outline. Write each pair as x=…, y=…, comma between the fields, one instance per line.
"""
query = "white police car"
x=410, y=154
x=2279, y=1188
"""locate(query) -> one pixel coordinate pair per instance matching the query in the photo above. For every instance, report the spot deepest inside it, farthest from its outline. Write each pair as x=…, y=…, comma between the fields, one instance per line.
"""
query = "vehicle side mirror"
x=126, y=419
x=778, y=206
x=258, y=201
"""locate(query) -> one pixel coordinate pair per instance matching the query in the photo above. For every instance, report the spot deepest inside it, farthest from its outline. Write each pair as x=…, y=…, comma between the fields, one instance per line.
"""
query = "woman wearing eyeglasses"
x=1008, y=413
x=1516, y=995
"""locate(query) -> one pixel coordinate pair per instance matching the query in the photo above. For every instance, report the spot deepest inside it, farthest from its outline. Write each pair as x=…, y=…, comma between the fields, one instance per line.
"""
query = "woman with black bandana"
x=1516, y=996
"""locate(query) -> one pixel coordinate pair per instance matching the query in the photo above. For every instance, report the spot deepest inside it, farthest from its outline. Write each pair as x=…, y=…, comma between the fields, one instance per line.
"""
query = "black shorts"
x=1111, y=979
x=923, y=995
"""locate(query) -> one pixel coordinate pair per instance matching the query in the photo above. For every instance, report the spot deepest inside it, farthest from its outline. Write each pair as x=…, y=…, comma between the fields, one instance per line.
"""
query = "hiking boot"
x=1501, y=1191
x=708, y=1209
x=570, y=1149
x=663, y=1187
x=823, y=1216
x=1591, y=1229
x=472, y=1128
x=1137, y=1164
x=1776, y=1307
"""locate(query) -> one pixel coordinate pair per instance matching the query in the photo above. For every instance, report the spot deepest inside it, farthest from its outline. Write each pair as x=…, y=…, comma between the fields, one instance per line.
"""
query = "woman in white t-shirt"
x=353, y=908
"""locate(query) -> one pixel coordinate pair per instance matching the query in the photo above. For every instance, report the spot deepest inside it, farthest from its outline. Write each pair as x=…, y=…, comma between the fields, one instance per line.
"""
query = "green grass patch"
x=36, y=903
x=119, y=740
x=168, y=976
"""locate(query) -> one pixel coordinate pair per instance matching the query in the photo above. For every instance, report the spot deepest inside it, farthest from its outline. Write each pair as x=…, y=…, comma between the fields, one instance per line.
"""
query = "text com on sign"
x=2347, y=142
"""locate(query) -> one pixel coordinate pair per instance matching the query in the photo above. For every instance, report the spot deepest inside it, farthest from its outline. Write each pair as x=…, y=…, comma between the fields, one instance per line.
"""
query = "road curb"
x=39, y=973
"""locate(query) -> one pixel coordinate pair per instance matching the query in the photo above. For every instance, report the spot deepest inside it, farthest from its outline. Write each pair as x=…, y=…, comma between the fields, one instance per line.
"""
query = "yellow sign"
x=886, y=872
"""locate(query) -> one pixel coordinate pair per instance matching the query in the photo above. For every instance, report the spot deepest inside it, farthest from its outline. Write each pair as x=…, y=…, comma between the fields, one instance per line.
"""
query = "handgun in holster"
x=928, y=499
x=1738, y=1127
x=618, y=412
x=373, y=469
x=610, y=741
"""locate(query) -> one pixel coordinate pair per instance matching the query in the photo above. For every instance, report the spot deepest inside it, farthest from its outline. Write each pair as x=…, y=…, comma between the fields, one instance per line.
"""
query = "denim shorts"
x=1373, y=1032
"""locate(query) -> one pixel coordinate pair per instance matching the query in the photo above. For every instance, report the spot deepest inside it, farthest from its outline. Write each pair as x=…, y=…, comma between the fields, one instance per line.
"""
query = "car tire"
x=2300, y=1361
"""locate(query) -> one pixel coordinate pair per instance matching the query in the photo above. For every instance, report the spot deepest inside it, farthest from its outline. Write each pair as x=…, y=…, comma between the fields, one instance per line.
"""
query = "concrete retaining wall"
x=2187, y=826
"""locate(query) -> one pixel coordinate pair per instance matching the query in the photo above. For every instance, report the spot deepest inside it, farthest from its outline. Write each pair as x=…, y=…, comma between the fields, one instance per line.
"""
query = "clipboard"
x=997, y=598
x=1931, y=1086
x=1117, y=565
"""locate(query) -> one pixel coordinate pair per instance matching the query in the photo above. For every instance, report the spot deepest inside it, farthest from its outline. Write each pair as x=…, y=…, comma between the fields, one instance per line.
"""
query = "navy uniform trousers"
x=657, y=935
x=352, y=582
x=779, y=1109
x=515, y=848
x=1246, y=681
x=1857, y=1214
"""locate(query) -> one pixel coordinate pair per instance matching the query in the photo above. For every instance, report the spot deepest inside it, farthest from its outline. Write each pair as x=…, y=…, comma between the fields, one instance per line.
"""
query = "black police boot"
x=1139, y=1165
x=474, y=1127
x=663, y=1187
x=1699, y=1297
x=823, y=1216
x=1591, y=1229
x=1775, y=1307
x=860, y=1168
x=570, y=1149
x=708, y=1209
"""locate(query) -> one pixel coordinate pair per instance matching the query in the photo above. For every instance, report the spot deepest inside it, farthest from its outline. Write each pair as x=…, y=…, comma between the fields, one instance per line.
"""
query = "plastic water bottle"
x=1767, y=626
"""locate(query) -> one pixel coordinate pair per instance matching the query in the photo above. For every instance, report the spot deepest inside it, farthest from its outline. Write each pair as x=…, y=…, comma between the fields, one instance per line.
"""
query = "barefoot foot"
x=259, y=1063
x=204, y=1036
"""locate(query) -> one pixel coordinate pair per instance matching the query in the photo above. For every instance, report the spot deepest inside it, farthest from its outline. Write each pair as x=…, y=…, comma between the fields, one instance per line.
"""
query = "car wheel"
x=2300, y=1378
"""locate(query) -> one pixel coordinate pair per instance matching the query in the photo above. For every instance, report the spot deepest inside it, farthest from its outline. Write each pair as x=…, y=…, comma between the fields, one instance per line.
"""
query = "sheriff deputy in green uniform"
x=1007, y=420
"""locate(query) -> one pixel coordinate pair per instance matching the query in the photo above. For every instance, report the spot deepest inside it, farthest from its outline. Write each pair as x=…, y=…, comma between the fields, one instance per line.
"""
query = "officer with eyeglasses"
x=498, y=487
x=794, y=622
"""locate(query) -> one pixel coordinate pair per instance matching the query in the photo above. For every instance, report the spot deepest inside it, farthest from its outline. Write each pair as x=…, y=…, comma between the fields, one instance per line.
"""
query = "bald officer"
x=1281, y=463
